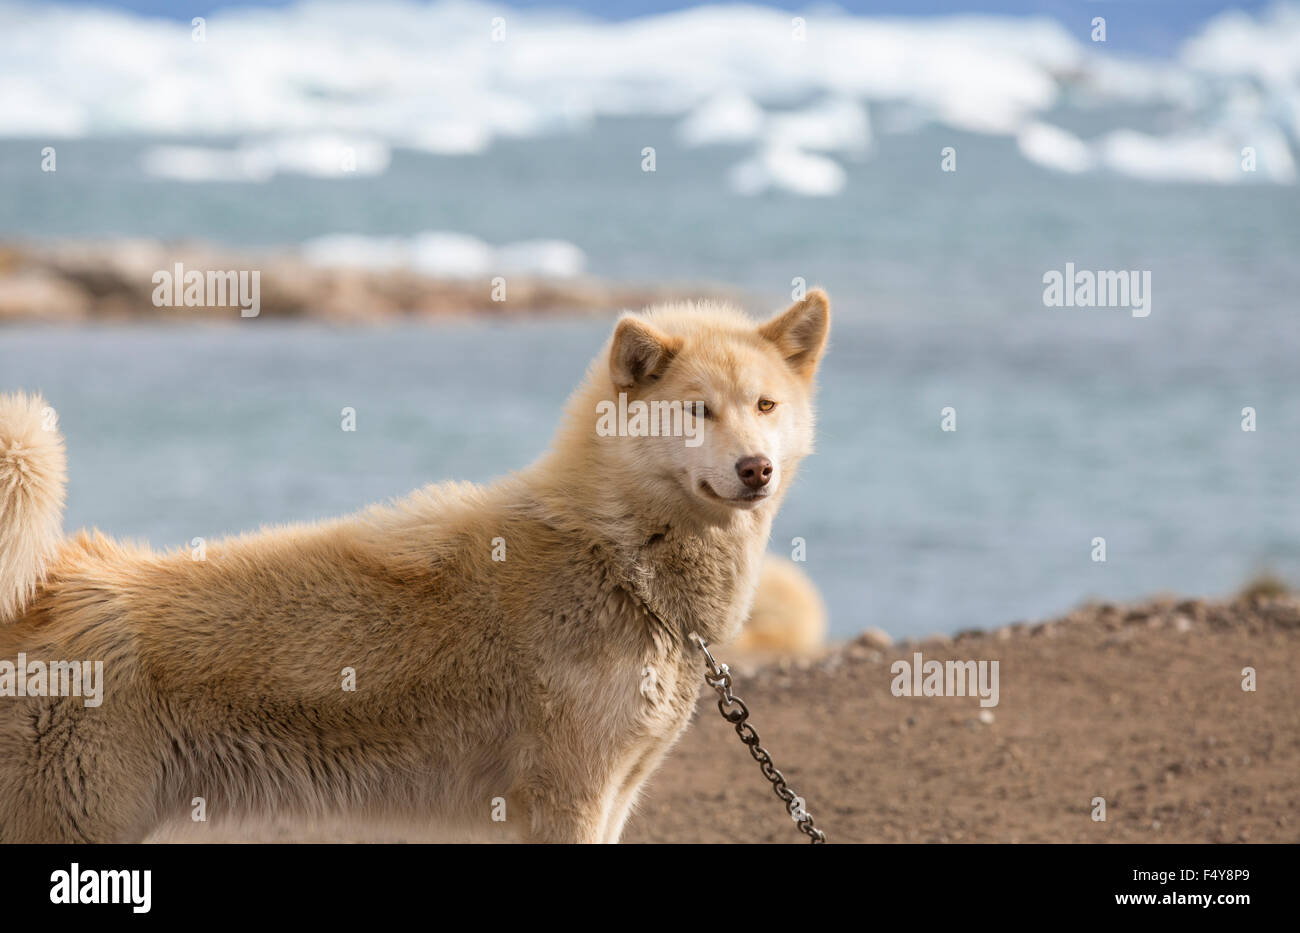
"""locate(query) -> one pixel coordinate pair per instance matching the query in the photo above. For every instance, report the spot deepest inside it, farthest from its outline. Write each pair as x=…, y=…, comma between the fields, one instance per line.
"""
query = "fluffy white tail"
x=33, y=477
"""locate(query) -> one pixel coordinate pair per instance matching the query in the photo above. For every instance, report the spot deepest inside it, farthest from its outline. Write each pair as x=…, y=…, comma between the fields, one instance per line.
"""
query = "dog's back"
x=306, y=669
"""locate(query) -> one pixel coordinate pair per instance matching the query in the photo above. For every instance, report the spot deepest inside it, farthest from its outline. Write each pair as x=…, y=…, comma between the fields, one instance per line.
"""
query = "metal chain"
x=734, y=710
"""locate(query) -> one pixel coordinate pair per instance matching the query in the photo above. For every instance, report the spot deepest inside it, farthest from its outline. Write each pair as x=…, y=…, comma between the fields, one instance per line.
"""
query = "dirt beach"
x=1141, y=705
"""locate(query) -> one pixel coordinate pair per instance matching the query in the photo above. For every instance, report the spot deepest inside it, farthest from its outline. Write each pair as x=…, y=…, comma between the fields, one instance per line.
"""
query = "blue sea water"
x=1072, y=423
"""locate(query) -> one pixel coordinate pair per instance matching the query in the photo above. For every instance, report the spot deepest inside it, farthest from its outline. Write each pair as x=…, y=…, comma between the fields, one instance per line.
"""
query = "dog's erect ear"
x=639, y=353
x=799, y=332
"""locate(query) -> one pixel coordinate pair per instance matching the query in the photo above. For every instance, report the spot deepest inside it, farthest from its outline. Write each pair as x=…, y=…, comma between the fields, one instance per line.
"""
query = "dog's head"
x=710, y=405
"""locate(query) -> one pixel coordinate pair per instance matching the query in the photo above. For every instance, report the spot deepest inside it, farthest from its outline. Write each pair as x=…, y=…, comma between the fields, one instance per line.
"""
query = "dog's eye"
x=765, y=405
x=699, y=410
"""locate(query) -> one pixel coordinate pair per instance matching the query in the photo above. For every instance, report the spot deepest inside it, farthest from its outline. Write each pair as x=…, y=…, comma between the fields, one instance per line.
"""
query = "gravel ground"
x=1141, y=705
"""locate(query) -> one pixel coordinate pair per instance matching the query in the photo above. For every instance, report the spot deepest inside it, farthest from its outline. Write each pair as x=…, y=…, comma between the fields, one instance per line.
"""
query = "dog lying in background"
x=788, y=616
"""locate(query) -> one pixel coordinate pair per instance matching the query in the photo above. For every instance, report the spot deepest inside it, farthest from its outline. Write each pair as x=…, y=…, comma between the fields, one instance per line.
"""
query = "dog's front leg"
x=578, y=819
x=643, y=765
x=566, y=807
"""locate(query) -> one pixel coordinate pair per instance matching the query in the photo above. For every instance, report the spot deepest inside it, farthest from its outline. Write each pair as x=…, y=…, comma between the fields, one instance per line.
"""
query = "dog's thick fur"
x=540, y=679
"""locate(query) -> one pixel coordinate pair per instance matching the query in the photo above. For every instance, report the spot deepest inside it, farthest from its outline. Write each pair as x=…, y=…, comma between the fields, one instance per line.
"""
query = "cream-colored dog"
x=486, y=658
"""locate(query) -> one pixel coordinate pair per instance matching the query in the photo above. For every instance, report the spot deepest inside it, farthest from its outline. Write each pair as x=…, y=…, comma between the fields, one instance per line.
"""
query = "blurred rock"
x=36, y=293
x=875, y=638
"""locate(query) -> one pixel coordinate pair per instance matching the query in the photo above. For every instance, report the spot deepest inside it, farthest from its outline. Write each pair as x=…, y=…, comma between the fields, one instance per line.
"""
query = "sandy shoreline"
x=1141, y=704
x=69, y=281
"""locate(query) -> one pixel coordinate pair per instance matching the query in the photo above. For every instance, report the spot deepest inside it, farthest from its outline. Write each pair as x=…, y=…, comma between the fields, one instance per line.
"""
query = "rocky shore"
x=114, y=280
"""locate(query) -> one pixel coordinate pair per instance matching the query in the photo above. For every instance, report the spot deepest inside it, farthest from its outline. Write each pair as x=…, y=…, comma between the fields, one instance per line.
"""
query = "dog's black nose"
x=754, y=472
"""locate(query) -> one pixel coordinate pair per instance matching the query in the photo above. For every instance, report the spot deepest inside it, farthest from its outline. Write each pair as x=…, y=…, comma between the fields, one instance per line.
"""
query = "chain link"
x=734, y=710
